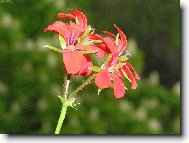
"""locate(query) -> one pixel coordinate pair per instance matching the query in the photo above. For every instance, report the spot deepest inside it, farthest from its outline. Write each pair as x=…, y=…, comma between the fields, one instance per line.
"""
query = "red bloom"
x=114, y=69
x=72, y=34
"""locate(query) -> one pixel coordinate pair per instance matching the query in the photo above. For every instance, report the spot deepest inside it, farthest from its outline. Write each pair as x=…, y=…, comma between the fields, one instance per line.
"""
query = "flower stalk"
x=64, y=101
x=69, y=100
x=61, y=118
x=80, y=87
x=66, y=85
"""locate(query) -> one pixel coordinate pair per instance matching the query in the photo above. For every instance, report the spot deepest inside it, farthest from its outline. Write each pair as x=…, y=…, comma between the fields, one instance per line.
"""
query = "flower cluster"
x=78, y=41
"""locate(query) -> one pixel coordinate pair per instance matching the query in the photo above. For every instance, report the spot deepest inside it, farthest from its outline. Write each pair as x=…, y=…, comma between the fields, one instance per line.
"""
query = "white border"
x=133, y=139
x=185, y=76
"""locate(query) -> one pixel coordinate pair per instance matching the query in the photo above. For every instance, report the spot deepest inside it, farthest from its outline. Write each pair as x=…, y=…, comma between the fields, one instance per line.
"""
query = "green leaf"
x=62, y=42
x=53, y=48
x=96, y=69
x=123, y=59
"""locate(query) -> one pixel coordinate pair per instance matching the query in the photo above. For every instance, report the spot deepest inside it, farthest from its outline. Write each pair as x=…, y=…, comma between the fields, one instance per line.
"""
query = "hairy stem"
x=83, y=85
x=66, y=93
x=64, y=106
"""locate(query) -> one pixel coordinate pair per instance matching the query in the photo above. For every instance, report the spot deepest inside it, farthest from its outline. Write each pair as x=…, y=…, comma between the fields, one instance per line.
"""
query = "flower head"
x=117, y=66
x=74, y=42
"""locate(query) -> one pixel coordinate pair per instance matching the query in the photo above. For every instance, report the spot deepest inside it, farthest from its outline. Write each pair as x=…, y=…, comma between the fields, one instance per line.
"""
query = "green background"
x=31, y=76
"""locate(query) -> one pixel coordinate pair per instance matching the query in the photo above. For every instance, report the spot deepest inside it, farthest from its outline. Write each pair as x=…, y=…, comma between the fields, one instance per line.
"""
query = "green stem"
x=64, y=106
x=66, y=92
x=61, y=119
x=83, y=85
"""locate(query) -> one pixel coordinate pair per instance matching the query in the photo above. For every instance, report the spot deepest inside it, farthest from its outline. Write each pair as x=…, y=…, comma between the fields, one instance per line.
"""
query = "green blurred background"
x=31, y=76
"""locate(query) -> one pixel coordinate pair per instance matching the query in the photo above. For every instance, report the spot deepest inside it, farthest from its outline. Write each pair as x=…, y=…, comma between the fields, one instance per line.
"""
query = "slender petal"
x=131, y=77
x=63, y=15
x=103, y=79
x=132, y=68
x=119, y=88
x=100, y=53
x=97, y=51
x=111, y=45
x=95, y=37
x=122, y=36
x=109, y=33
x=102, y=46
x=82, y=20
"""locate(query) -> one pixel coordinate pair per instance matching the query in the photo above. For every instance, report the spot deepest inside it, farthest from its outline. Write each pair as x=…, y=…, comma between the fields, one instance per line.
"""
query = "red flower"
x=114, y=69
x=72, y=34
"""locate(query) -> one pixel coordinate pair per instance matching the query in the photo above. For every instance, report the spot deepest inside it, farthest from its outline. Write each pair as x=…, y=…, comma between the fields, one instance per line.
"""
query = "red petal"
x=86, y=71
x=109, y=33
x=131, y=77
x=74, y=30
x=89, y=64
x=128, y=53
x=94, y=37
x=111, y=45
x=135, y=73
x=63, y=15
x=74, y=61
x=82, y=20
x=104, y=48
x=103, y=79
x=98, y=52
x=57, y=27
x=119, y=88
x=123, y=38
x=119, y=73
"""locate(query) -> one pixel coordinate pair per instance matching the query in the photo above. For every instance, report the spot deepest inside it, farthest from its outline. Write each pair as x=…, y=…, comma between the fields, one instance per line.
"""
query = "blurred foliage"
x=31, y=76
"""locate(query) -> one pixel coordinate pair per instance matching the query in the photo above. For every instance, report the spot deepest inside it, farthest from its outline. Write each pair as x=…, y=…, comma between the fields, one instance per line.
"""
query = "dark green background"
x=31, y=76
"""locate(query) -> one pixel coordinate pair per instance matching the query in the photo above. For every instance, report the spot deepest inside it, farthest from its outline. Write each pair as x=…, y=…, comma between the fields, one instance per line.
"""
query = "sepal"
x=62, y=42
x=95, y=68
x=123, y=59
x=53, y=48
x=68, y=102
x=89, y=52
